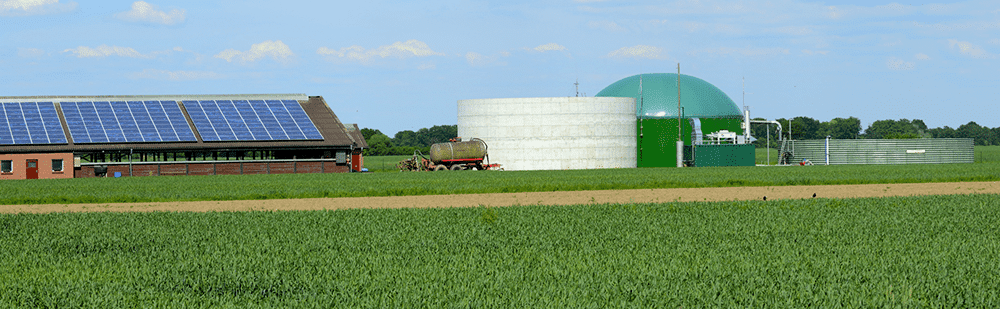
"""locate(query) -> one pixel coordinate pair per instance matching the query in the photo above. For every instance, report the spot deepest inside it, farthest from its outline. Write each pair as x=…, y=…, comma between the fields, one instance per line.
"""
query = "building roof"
x=335, y=135
x=659, y=96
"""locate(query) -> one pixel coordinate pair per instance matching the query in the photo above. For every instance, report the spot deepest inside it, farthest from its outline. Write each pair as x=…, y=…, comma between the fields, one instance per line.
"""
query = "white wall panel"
x=553, y=133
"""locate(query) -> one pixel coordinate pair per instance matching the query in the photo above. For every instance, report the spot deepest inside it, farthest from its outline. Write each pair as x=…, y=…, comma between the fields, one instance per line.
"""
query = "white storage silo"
x=553, y=133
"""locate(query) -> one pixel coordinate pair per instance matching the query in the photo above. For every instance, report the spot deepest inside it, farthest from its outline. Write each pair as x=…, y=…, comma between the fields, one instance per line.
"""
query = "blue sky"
x=403, y=65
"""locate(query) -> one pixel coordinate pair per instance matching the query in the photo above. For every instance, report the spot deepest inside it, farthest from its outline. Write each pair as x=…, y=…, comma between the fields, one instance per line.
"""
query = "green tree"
x=406, y=138
x=894, y=129
x=841, y=128
x=945, y=132
x=368, y=133
x=378, y=145
x=982, y=135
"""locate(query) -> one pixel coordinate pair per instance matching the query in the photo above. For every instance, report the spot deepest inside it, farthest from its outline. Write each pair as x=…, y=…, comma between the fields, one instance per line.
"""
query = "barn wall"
x=217, y=168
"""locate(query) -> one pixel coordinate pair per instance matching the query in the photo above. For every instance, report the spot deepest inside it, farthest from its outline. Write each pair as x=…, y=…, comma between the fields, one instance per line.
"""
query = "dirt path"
x=536, y=198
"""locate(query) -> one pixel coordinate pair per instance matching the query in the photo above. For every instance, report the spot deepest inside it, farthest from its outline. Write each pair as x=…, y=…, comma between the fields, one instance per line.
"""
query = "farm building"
x=94, y=136
x=619, y=128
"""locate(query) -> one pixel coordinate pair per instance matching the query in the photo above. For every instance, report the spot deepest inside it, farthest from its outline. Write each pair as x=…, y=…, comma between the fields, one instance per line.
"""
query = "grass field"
x=987, y=154
x=383, y=163
x=933, y=251
x=253, y=187
x=760, y=157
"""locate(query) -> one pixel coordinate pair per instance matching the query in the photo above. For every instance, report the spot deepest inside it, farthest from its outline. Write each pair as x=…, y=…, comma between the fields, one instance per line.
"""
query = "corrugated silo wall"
x=886, y=151
x=553, y=133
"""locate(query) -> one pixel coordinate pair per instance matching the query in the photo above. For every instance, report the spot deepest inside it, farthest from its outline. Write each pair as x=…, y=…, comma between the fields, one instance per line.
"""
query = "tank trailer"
x=455, y=155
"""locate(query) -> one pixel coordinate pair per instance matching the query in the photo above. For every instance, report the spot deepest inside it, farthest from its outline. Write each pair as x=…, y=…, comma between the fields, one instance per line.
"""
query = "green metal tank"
x=472, y=149
x=656, y=113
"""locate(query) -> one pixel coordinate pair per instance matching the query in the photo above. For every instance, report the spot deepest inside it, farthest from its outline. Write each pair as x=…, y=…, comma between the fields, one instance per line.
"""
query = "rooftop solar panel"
x=30, y=123
x=126, y=121
x=253, y=120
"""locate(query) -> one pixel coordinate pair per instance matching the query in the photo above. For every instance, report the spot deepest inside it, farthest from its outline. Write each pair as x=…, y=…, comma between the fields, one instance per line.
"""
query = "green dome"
x=659, y=97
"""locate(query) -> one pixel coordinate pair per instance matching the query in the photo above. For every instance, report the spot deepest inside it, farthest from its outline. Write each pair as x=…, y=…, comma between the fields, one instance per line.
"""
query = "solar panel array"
x=253, y=120
x=132, y=121
x=30, y=123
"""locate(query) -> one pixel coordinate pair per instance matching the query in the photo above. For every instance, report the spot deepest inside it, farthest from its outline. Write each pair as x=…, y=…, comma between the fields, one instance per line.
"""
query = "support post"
x=827, y=150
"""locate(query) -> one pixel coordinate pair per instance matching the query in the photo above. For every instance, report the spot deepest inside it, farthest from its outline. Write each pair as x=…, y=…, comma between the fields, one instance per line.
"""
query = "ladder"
x=787, y=152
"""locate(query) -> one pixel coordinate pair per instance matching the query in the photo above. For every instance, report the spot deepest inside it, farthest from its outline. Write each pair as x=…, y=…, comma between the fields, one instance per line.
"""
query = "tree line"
x=850, y=128
x=405, y=142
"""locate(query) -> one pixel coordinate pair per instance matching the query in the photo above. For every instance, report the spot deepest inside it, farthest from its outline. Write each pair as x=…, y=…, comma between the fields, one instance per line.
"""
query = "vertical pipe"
x=746, y=122
x=827, y=150
x=680, y=140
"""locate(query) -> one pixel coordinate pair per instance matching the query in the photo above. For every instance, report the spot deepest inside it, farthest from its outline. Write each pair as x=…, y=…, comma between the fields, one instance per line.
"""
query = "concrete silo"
x=706, y=110
x=555, y=133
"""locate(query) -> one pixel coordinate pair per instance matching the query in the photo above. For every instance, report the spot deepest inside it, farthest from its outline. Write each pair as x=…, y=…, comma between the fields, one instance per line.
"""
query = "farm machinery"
x=454, y=155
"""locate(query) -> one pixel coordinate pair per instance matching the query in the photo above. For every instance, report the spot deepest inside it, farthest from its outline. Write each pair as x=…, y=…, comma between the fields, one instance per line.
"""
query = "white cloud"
x=922, y=56
x=145, y=12
x=638, y=52
x=34, y=7
x=815, y=52
x=747, y=51
x=792, y=30
x=105, y=51
x=835, y=13
x=400, y=50
x=693, y=26
x=30, y=52
x=548, y=47
x=606, y=25
x=476, y=59
x=971, y=25
x=268, y=49
x=176, y=75
x=897, y=64
x=969, y=49
x=427, y=66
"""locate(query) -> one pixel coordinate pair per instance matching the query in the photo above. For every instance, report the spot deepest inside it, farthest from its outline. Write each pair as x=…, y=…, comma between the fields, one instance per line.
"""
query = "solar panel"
x=131, y=121
x=253, y=120
x=30, y=123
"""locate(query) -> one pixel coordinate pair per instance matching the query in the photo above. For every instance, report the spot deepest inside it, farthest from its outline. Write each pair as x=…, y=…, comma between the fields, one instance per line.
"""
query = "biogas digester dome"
x=705, y=109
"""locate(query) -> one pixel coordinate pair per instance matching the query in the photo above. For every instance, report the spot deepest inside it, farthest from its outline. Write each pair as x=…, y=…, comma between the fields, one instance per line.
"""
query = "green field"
x=761, y=156
x=383, y=163
x=986, y=154
x=933, y=251
x=254, y=187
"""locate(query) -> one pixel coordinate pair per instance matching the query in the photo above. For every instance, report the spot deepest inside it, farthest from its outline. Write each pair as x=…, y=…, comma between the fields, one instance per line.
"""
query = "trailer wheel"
x=440, y=168
x=456, y=167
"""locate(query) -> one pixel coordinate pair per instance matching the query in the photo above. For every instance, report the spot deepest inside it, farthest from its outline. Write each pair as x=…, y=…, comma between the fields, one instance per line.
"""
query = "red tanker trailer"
x=455, y=155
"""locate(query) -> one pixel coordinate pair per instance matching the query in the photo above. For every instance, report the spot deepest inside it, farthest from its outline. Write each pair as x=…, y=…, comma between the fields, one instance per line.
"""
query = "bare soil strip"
x=535, y=198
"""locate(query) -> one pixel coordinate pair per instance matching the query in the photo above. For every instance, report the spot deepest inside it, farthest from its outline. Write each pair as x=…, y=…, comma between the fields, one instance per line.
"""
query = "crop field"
x=255, y=187
x=932, y=251
x=985, y=154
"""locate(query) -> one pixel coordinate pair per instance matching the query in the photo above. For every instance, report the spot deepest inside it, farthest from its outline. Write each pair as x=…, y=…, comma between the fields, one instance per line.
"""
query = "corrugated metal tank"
x=474, y=149
x=553, y=133
x=886, y=151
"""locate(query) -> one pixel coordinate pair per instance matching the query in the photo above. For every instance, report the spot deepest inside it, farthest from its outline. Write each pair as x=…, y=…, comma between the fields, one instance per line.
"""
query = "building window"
x=57, y=165
x=6, y=166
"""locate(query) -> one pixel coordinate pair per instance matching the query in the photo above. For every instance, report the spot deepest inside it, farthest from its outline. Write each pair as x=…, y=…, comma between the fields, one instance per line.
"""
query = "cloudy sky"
x=403, y=65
